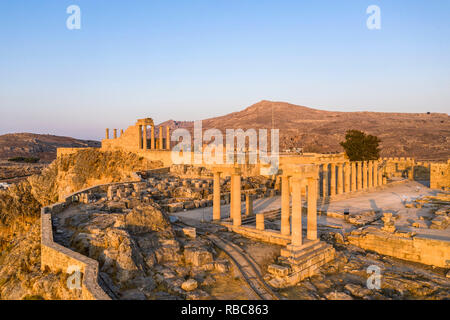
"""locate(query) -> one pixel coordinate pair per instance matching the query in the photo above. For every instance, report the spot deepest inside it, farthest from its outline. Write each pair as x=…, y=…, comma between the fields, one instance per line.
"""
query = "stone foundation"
x=267, y=235
x=299, y=263
x=403, y=246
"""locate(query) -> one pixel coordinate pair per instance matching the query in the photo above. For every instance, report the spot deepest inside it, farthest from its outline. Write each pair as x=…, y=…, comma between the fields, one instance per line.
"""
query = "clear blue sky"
x=191, y=59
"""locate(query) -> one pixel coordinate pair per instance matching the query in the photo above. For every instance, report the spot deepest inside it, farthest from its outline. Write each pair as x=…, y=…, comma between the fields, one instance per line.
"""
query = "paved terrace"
x=389, y=198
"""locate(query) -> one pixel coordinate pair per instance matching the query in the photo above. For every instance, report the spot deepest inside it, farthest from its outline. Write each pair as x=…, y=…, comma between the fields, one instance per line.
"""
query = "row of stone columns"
x=350, y=176
x=235, y=199
x=114, y=133
x=297, y=184
x=143, y=134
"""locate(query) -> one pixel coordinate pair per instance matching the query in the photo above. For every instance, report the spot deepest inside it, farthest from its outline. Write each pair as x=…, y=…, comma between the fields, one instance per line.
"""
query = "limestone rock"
x=277, y=270
x=197, y=256
x=190, y=232
x=222, y=266
x=357, y=291
x=169, y=250
x=147, y=219
x=189, y=285
x=335, y=295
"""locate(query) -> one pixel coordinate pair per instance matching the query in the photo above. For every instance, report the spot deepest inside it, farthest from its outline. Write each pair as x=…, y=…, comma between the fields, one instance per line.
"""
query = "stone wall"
x=399, y=167
x=412, y=248
x=267, y=235
x=440, y=176
x=58, y=258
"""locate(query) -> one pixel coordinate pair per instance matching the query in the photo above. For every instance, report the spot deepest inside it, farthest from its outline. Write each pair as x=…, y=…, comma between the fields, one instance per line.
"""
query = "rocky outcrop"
x=86, y=168
x=20, y=273
x=139, y=253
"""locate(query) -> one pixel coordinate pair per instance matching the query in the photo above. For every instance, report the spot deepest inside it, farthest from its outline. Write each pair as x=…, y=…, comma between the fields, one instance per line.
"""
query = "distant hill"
x=41, y=146
x=420, y=135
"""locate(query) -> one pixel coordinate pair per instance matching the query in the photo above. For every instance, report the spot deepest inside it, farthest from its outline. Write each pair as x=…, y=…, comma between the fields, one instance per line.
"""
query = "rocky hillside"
x=42, y=146
x=20, y=275
x=420, y=135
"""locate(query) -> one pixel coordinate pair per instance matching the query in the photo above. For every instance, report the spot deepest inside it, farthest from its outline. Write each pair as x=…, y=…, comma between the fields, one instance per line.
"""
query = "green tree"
x=360, y=146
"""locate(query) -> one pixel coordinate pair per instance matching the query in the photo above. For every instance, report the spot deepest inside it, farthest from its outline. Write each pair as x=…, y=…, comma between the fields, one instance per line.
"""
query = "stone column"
x=140, y=137
x=236, y=199
x=296, y=212
x=353, y=164
x=370, y=174
x=347, y=172
x=145, y=138
x=325, y=181
x=260, y=221
x=365, y=175
x=161, y=138
x=359, y=175
x=121, y=132
x=311, y=231
x=380, y=176
x=333, y=179
x=375, y=173
x=248, y=204
x=152, y=138
x=115, y=133
x=340, y=179
x=231, y=196
x=285, y=206
x=411, y=171
x=107, y=133
x=216, y=196
x=168, y=138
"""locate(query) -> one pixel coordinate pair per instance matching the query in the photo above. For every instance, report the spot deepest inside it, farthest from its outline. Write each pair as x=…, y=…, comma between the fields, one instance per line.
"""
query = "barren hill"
x=38, y=145
x=420, y=135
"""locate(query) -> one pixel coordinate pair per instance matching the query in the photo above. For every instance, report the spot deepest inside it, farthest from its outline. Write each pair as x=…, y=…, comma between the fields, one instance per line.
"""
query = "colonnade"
x=343, y=177
x=115, y=136
x=295, y=182
x=143, y=138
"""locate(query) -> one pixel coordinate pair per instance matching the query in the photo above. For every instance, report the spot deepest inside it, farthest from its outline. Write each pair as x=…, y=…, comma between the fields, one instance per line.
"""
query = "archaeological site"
x=224, y=159
x=124, y=221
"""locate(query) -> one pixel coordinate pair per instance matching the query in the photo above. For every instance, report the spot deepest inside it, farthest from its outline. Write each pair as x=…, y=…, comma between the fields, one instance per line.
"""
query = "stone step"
x=305, y=250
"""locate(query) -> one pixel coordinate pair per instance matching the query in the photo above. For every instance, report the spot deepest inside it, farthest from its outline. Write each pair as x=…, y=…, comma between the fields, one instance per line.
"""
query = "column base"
x=299, y=262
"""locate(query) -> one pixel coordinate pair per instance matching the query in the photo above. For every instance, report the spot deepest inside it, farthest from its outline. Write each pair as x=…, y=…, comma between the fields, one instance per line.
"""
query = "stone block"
x=189, y=285
x=197, y=256
x=222, y=266
x=277, y=270
x=190, y=232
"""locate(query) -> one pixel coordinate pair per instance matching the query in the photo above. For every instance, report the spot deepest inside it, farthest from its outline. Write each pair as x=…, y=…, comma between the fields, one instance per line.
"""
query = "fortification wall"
x=399, y=167
x=440, y=176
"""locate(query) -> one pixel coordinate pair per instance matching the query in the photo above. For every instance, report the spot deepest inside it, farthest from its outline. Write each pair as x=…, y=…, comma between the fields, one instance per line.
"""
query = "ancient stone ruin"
x=179, y=231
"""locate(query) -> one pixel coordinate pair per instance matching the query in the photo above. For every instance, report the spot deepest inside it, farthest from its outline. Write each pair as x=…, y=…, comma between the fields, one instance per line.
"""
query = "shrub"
x=24, y=159
x=360, y=146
